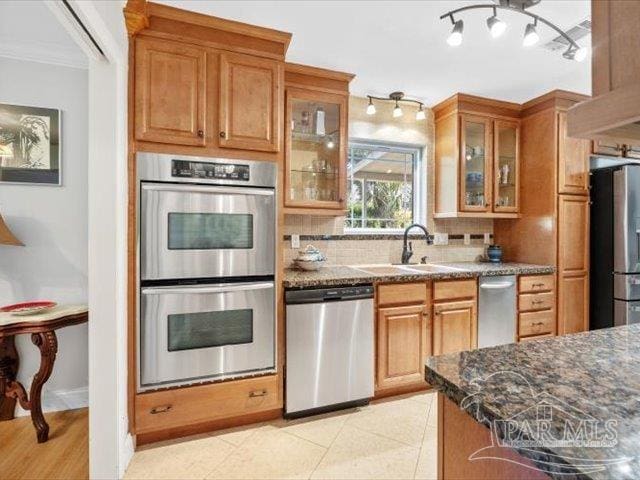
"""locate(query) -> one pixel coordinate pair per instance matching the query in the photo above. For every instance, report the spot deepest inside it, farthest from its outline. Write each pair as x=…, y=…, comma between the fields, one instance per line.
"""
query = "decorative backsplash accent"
x=381, y=236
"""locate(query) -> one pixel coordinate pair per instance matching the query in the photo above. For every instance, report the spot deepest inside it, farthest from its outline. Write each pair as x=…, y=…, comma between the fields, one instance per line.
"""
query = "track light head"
x=531, y=36
x=420, y=115
x=371, y=108
x=495, y=25
x=455, y=37
x=397, y=111
x=581, y=54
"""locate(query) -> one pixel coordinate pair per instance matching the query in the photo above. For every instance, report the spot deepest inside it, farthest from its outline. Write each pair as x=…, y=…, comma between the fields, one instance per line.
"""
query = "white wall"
x=52, y=223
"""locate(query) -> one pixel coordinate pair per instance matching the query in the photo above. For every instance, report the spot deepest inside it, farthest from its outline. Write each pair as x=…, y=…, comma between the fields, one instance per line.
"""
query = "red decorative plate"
x=28, y=308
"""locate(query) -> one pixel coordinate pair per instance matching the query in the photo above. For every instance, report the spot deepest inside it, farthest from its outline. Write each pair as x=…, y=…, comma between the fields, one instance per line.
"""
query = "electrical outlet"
x=487, y=239
x=467, y=239
x=295, y=241
x=441, y=239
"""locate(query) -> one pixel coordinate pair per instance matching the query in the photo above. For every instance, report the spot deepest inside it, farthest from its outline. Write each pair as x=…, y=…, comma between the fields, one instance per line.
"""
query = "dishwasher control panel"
x=317, y=295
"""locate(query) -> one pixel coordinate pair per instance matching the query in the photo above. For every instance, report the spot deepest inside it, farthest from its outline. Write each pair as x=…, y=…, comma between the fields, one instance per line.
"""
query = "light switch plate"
x=441, y=239
x=467, y=239
x=487, y=239
x=295, y=241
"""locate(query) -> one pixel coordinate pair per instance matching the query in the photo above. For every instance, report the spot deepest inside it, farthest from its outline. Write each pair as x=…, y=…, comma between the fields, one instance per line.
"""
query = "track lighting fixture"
x=497, y=27
x=455, y=37
x=396, y=97
x=531, y=36
x=371, y=108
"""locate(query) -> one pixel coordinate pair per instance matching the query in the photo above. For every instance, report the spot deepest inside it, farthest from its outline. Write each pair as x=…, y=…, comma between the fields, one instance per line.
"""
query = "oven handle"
x=214, y=288
x=208, y=189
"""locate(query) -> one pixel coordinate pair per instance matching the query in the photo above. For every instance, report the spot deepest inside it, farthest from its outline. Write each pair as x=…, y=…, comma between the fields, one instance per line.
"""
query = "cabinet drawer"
x=180, y=407
x=400, y=293
x=535, y=283
x=537, y=337
x=536, y=301
x=447, y=290
x=536, y=323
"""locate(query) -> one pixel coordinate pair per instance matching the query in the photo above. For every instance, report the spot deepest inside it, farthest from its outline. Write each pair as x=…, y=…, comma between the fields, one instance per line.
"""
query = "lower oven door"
x=190, y=334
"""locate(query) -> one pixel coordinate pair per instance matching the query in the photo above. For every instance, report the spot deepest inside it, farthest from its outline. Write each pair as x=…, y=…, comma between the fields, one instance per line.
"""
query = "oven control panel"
x=221, y=171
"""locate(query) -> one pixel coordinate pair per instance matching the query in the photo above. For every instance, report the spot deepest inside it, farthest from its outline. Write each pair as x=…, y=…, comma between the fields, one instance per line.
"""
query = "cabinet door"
x=573, y=264
x=250, y=99
x=632, y=151
x=476, y=160
x=170, y=92
x=315, y=149
x=506, y=173
x=607, y=147
x=573, y=161
x=402, y=345
x=454, y=327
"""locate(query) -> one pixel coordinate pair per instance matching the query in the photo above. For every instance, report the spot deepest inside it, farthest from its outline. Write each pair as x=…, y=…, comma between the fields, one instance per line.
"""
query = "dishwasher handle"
x=497, y=286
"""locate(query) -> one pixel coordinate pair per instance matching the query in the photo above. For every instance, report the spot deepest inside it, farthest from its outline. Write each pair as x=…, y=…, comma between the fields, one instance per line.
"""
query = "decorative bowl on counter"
x=310, y=258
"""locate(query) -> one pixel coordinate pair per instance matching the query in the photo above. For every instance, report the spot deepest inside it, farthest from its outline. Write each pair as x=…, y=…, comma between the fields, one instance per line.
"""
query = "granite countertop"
x=345, y=275
x=590, y=379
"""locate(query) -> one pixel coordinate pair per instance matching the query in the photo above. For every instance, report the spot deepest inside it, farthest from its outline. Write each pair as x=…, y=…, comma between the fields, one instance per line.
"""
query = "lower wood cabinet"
x=403, y=345
x=573, y=303
x=536, y=307
x=454, y=326
x=183, y=407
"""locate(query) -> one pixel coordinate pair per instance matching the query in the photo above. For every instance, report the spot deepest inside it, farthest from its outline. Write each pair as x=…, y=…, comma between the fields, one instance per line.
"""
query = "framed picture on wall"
x=30, y=145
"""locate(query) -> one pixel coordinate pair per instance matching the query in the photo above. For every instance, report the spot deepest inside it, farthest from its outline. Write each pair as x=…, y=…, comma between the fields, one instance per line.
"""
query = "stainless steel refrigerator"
x=615, y=246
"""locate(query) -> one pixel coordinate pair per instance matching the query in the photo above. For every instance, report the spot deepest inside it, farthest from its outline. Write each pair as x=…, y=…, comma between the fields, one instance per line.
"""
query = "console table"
x=42, y=328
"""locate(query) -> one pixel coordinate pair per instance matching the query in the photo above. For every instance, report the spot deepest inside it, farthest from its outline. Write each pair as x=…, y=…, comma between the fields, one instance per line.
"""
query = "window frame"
x=419, y=182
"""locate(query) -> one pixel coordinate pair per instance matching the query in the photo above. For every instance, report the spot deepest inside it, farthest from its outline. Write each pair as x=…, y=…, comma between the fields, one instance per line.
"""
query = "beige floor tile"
x=237, y=435
x=271, y=453
x=357, y=454
x=319, y=429
x=422, y=397
x=192, y=458
x=433, y=415
x=427, y=468
x=402, y=420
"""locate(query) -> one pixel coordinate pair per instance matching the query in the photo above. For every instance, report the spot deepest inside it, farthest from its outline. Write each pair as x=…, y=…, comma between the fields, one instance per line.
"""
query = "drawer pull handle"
x=258, y=393
x=537, y=302
x=538, y=285
x=161, y=409
x=538, y=324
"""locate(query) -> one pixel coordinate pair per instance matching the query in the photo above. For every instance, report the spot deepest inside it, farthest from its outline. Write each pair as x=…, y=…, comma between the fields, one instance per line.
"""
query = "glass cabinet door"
x=475, y=171
x=315, y=150
x=506, y=174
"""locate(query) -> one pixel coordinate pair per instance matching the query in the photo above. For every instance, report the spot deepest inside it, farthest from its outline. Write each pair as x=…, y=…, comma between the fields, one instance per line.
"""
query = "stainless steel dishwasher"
x=497, y=311
x=330, y=359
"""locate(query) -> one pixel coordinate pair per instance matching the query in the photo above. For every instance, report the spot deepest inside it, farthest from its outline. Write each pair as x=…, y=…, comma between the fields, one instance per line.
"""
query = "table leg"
x=47, y=343
x=9, y=362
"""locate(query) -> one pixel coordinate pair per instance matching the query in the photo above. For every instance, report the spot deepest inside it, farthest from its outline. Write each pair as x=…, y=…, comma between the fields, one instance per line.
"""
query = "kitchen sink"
x=431, y=268
x=405, y=269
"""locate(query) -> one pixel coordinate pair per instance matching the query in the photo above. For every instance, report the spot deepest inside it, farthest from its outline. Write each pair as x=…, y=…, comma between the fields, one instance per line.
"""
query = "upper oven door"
x=194, y=231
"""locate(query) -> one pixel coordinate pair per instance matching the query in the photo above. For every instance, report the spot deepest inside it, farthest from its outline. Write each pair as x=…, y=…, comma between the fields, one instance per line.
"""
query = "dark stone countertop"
x=557, y=384
x=344, y=275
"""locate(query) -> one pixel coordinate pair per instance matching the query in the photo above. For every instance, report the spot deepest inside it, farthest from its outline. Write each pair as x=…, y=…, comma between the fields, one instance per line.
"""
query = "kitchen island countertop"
x=584, y=387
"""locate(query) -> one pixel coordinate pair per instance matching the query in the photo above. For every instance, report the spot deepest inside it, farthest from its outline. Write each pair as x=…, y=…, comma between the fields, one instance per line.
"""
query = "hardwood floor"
x=64, y=456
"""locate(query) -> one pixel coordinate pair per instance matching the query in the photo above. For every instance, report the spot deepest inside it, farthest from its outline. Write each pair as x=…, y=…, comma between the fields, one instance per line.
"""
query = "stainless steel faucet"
x=407, y=250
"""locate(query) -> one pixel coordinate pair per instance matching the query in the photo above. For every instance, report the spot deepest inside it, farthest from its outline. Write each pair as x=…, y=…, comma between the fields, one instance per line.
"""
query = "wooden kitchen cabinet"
x=477, y=158
x=250, y=95
x=610, y=148
x=316, y=137
x=403, y=335
x=454, y=326
x=536, y=306
x=573, y=161
x=403, y=345
x=170, y=92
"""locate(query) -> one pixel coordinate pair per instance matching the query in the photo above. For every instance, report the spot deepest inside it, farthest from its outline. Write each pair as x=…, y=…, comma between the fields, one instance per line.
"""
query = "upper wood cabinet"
x=316, y=136
x=250, y=95
x=170, y=93
x=476, y=158
x=573, y=161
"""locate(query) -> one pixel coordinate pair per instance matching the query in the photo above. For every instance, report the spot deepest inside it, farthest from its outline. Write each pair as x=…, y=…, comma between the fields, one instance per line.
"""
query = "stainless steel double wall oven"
x=207, y=242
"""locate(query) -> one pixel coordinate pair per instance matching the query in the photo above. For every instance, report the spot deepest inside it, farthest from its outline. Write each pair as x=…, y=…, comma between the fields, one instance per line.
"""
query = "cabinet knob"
x=200, y=133
x=223, y=135
x=486, y=204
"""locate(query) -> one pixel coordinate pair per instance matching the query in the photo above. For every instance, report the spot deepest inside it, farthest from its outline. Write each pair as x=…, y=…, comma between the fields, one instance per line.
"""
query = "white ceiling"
x=30, y=31
x=400, y=45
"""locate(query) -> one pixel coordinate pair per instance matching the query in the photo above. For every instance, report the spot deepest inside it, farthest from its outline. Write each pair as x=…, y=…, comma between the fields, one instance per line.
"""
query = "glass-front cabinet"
x=476, y=163
x=315, y=149
x=505, y=167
